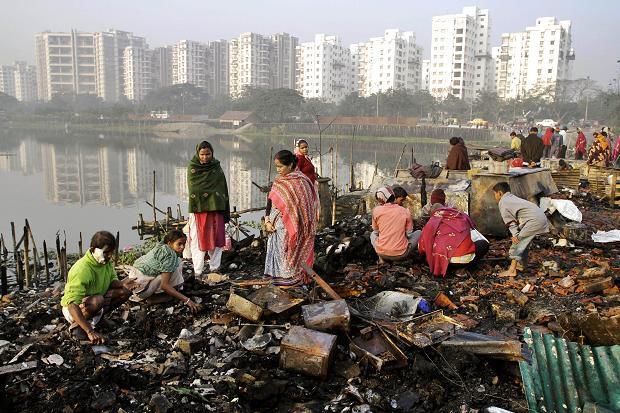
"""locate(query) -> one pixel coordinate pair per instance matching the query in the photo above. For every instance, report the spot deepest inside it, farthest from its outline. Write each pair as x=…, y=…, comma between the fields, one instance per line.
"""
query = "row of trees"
x=569, y=101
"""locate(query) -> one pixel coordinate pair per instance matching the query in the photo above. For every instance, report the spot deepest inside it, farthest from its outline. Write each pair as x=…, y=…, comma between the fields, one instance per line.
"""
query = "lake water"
x=72, y=183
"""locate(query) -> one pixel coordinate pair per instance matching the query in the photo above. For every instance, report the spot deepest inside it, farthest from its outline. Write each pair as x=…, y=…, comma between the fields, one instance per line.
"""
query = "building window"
x=459, y=31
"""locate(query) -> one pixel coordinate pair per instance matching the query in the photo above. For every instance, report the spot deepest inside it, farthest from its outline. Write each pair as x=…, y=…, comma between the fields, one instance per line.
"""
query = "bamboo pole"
x=351, y=170
x=27, y=258
x=47, y=263
x=59, y=257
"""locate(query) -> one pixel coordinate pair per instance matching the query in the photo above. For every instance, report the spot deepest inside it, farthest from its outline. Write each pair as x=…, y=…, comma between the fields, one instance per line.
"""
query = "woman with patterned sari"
x=600, y=151
x=209, y=209
x=291, y=223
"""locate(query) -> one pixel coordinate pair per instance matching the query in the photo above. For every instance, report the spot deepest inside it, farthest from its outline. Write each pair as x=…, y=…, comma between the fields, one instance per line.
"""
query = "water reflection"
x=89, y=183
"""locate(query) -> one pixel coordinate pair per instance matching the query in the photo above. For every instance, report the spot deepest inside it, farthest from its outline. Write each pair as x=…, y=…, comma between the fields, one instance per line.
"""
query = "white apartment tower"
x=324, y=69
x=251, y=63
x=25, y=82
x=284, y=58
x=189, y=63
x=161, y=69
x=461, y=54
x=109, y=51
x=217, y=68
x=426, y=74
x=534, y=61
x=7, y=80
x=138, y=73
x=65, y=63
x=393, y=61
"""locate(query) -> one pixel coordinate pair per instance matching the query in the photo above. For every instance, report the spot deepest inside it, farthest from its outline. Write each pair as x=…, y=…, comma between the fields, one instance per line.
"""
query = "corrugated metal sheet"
x=563, y=376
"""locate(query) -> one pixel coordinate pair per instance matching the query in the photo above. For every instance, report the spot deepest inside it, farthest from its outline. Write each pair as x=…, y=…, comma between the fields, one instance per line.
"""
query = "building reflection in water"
x=114, y=173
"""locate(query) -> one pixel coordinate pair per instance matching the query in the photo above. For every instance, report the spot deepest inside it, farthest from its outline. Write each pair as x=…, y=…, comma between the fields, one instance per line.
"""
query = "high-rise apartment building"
x=217, y=68
x=109, y=51
x=324, y=69
x=251, y=63
x=162, y=67
x=65, y=63
x=533, y=61
x=393, y=61
x=426, y=74
x=284, y=59
x=7, y=79
x=138, y=73
x=189, y=63
x=461, y=54
x=25, y=82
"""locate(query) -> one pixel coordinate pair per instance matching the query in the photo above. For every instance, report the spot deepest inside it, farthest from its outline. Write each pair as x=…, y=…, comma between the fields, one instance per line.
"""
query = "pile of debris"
x=362, y=338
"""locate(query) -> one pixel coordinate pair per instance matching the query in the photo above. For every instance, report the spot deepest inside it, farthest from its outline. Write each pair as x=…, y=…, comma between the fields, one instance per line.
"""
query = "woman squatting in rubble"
x=209, y=209
x=450, y=238
x=93, y=289
x=157, y=276
x=393, y=237
x=290, y=222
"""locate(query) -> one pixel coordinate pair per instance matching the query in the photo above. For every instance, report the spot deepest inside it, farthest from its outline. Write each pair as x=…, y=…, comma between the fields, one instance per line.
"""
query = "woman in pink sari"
x=291, y=223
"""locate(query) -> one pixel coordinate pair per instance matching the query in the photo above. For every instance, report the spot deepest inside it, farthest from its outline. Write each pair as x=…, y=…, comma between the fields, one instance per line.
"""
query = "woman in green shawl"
x=209, y=210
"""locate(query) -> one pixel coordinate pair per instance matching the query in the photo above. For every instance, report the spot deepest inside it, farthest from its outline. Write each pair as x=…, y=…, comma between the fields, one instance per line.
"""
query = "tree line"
x=569, y=101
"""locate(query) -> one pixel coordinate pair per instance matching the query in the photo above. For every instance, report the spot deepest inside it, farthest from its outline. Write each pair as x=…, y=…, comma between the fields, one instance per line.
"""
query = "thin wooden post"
x=351, y=171
x=47, y=263
x=236, y=223
x=34, y=246
x=18, y=274
x=4, y=288
x=64, y=258
x=399, y=159
x=179, y=215
x=27, y=258
x=154, y=209
x=118, y=240
x=80, y=245
x=270, y=164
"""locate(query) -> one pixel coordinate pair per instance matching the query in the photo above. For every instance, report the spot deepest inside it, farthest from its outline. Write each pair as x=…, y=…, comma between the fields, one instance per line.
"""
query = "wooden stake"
x=47, y=263
x=34, y=245
x=399, y=159
x=80, y=245
x=64, y=257
x=27, y=257
x=154, y=209
x=118, y=240
x=4, y=288
x=18, y=275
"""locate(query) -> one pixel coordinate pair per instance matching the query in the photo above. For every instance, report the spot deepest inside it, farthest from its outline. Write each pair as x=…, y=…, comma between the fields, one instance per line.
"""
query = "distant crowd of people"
x=604, y=150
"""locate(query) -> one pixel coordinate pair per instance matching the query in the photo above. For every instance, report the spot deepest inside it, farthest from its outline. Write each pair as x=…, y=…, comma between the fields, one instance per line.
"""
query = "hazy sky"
x=596, y=36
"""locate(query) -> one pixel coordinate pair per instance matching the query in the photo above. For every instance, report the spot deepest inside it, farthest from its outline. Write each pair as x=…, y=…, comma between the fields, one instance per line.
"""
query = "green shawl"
x=207, y=186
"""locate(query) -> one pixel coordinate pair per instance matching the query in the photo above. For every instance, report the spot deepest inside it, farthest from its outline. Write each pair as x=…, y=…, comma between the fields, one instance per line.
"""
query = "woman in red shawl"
x=450, y=237
x=546, y=139
x=304, y=164
x=290, y=222
x=580, y=145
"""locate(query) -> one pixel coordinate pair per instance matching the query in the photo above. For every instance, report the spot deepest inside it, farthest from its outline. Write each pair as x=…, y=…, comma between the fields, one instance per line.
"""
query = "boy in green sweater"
x=93, y=289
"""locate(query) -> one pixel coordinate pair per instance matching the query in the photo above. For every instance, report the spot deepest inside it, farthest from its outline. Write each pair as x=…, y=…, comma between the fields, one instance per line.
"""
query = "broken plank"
x=324, y=285
x=17, y=367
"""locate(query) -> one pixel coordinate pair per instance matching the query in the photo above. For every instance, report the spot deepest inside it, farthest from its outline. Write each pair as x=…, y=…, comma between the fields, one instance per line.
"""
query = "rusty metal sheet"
x=486, y=345
x=564, y=376
x=379, y=350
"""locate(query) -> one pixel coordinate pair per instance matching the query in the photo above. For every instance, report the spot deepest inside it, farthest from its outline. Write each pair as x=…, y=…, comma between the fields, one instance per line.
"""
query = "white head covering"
x=384, y=193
